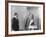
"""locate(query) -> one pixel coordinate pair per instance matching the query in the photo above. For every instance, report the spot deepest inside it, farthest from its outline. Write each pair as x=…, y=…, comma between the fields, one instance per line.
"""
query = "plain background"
x=2, y=19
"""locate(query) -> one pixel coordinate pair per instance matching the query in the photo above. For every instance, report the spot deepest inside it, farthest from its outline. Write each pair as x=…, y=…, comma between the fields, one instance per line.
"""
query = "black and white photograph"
x=25, y=18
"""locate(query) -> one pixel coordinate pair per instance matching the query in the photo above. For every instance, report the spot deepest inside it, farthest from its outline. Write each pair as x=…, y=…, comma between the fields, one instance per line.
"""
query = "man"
x=15, y=22
x=30, y=20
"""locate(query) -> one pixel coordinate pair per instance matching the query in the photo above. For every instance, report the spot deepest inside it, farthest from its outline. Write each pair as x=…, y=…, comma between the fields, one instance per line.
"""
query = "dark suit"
x=15, y=24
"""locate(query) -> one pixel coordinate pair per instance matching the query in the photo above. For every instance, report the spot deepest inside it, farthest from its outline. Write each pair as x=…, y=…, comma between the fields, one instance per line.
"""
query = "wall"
x=2, y=19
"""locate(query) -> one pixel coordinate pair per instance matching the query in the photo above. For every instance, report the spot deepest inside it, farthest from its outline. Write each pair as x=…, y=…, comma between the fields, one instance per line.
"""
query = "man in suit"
x=32, y=21
x=15, y=22
x=29, y=22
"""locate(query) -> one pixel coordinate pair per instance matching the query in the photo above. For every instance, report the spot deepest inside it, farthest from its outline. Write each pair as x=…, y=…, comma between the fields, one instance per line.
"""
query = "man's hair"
x=15, y=14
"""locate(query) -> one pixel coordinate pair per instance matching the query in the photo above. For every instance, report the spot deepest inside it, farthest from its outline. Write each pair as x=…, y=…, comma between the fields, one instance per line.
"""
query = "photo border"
x=25, y=2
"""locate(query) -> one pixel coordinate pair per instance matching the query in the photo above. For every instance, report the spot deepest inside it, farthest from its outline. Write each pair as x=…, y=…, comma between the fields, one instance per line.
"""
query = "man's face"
x=16, y=16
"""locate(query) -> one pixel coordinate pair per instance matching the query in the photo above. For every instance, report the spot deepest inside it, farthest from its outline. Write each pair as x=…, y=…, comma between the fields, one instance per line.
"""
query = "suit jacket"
x=15, y=24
